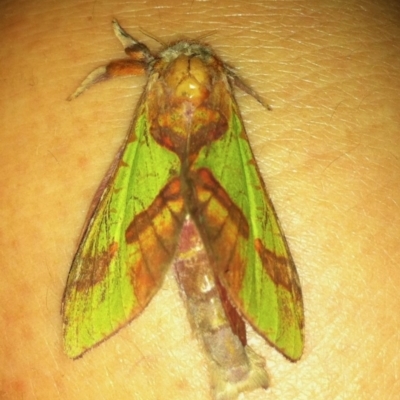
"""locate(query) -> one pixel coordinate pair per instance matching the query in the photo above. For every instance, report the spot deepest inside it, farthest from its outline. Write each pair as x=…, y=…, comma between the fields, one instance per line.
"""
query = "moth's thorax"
x=188, y=95
x=188, y=70
x=188, y=79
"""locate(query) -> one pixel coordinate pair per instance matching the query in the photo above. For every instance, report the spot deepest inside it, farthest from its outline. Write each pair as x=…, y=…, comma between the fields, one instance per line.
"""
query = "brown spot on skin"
x=275, y=266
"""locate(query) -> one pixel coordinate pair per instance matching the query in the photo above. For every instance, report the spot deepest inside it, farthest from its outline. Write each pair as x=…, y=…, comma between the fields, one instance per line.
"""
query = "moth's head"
x=186, y=48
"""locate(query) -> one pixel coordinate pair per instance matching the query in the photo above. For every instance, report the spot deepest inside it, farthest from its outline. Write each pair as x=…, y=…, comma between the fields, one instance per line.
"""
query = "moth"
x=185, y=191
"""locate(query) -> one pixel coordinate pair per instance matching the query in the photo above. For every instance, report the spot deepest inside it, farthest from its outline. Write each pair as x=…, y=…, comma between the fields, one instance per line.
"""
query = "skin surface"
x=329, y=153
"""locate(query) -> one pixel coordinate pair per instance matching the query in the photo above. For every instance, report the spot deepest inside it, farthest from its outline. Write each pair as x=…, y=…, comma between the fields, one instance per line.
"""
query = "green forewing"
x=266, y=289
x=101, y=293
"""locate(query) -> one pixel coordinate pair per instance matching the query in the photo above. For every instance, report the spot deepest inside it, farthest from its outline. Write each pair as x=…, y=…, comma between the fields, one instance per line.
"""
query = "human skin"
x=329, y=152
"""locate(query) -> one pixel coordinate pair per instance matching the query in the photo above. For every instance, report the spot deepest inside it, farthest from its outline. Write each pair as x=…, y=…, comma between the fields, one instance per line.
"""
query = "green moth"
x=185, y=191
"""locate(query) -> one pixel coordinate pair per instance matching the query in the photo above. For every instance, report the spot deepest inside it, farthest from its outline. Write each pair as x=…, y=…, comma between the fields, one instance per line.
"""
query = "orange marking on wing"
x=90, y=277
x=169, y=196
x=155, y=232
x=274, y=265
x=223, y=227
x=235, y=320
x=218, y=202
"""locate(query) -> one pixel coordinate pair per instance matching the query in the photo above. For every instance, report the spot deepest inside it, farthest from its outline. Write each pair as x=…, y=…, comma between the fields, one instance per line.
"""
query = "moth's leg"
x=134, y=49
x=137, y=64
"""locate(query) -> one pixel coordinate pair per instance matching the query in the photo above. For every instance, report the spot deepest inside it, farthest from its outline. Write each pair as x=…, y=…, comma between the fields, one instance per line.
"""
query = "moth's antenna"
x=150, y=35
x=157, y=39
x=204, y=35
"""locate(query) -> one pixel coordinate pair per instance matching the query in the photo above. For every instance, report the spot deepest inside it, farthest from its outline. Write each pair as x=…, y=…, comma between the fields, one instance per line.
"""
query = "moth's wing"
x=128, y=244
x=239, y=225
